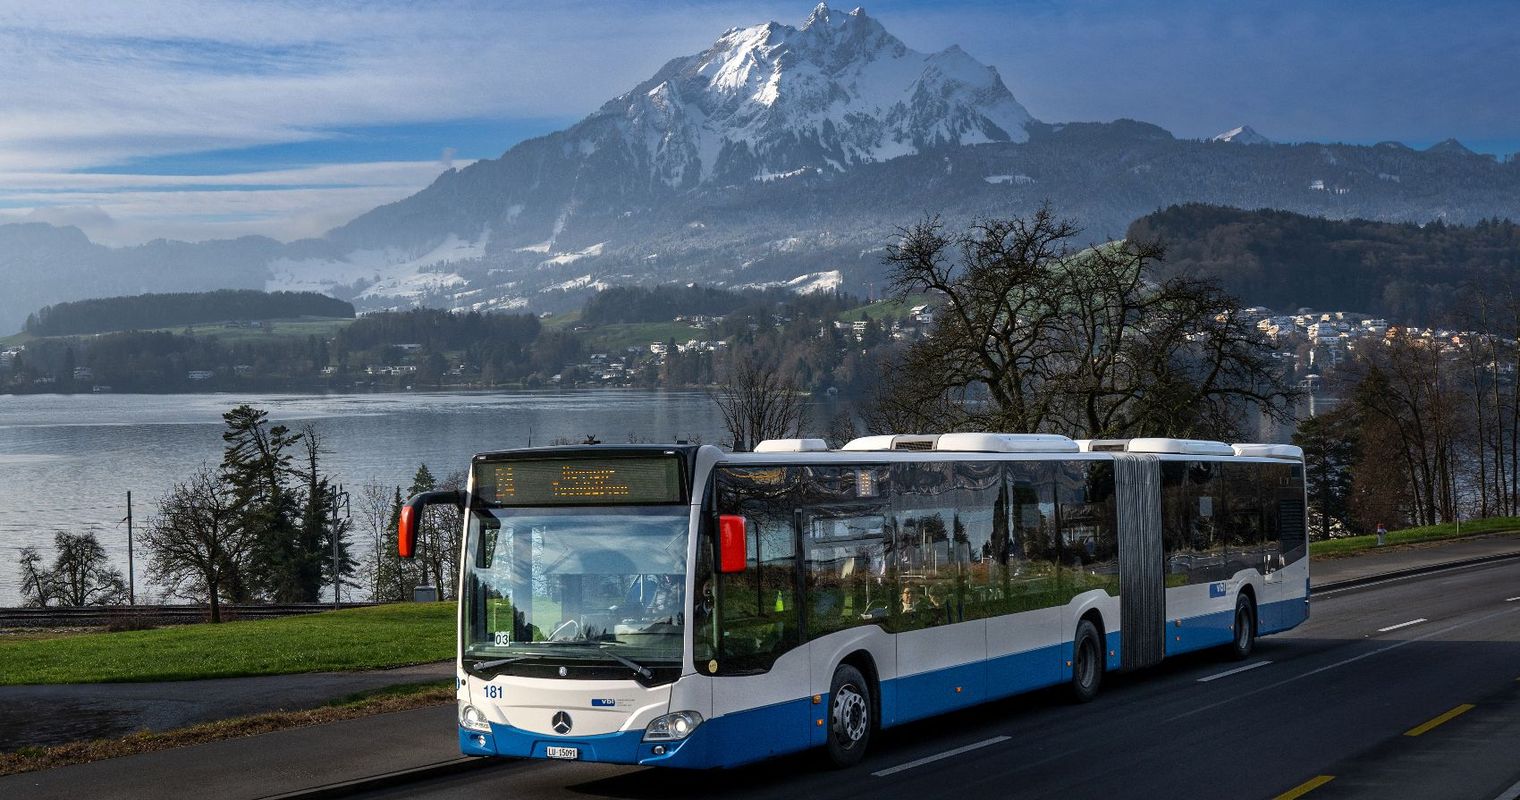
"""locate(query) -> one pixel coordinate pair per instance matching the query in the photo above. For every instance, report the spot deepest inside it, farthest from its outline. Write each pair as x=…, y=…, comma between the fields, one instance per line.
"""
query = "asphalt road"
x=1362, y=701
x=59, y=713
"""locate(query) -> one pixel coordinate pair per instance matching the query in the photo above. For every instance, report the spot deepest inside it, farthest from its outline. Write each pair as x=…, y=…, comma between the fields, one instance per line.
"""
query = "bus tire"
x=1086, y=662
x=850, y=720
x=1243, y=632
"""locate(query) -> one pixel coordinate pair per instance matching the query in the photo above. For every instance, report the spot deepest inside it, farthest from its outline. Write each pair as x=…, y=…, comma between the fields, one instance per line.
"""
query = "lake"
x=68, y=461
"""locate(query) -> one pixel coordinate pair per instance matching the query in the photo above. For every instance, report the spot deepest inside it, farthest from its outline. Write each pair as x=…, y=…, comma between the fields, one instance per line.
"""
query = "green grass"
x=613, y=339
x=884, y=309
x=1351, y=545
x=322, y=328
x=360, y=638
x=562, y=321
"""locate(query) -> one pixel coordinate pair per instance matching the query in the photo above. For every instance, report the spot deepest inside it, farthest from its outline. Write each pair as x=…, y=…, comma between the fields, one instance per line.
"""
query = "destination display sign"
x=580, y=482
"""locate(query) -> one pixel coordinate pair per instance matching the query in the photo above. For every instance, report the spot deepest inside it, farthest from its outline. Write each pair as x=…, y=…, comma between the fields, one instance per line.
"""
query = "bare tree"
x=376, y=506
x=82, y=574
x=194, y=540
x=37, y=586
x=1035, y=335
x=758, y=402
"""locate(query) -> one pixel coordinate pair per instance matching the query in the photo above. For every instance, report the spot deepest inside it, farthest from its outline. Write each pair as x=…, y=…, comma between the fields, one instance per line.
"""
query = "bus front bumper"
x=626, y=747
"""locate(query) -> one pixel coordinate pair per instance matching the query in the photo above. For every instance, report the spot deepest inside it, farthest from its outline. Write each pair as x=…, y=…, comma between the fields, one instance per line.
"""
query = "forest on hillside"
x=149, y=311
x=1408, y=273
x=639, y=342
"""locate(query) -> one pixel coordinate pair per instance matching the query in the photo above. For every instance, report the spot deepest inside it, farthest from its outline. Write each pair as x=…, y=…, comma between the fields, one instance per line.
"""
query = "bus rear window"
x=537, y=482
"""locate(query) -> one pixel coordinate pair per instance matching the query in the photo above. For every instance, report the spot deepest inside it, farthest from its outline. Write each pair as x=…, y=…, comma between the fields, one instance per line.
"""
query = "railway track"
x=99, y=616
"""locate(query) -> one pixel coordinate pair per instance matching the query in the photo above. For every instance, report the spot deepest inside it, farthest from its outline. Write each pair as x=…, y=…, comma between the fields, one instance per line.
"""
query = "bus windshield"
x=576, y=592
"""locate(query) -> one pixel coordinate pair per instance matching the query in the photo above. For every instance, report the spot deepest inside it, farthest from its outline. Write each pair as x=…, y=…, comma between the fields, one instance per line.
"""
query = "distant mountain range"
x=779, y=156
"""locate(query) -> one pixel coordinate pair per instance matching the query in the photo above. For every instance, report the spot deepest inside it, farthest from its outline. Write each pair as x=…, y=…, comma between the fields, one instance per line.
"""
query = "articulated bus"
x=683, y=606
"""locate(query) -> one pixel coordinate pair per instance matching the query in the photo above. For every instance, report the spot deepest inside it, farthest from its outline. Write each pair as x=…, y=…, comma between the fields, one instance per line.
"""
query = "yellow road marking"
x=1444, y=718
x=1305, y=787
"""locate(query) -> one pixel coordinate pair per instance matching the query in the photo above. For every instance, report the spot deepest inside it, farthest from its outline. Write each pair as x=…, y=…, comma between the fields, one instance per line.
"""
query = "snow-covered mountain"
x=763, y=103
x=769, y=100
x=1245, y=134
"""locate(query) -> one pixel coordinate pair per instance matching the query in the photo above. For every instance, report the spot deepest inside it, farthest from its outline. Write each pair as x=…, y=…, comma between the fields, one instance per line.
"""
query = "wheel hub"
x=851, y=716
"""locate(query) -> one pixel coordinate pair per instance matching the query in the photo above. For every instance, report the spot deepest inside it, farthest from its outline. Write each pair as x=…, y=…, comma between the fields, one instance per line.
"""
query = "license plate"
x=568, y=753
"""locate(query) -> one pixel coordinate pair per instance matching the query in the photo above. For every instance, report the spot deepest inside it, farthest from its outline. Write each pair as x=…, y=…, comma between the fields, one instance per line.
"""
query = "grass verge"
x=1353, y=545
x=377, y=637
x=378, y=701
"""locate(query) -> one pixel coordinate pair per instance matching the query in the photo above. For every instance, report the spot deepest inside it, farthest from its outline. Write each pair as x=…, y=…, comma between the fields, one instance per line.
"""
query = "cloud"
x=110, y=84
x=283, y=204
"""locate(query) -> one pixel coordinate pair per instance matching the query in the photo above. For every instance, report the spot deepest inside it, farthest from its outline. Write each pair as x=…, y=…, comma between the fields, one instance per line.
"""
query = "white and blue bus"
x=683, y=606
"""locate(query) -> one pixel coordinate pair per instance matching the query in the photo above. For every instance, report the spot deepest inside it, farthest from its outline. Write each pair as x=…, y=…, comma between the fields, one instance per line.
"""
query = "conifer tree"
x=257, y=465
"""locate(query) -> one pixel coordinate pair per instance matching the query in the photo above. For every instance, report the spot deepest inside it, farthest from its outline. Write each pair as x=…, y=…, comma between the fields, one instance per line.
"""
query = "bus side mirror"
x=732, y=556
x=411, y=514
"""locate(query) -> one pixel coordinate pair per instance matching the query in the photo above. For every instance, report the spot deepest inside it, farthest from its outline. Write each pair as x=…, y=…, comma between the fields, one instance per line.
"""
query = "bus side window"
x=844, y=537
x=980, y=535
x=1089, y=536
x=704, y=602
x=924, y=551
x=1176, y=522
x=1244, y=524
x=1033, y=566
x=758, y=616
x=1206, y=508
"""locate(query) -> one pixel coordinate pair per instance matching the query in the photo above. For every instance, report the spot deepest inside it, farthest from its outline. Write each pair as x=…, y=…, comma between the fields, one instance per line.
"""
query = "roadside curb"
x=391, y=779
x=1410, y=572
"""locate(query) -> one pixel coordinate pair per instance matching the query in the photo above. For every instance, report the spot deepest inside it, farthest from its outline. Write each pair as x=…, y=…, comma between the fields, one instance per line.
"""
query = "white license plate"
x=568, y=753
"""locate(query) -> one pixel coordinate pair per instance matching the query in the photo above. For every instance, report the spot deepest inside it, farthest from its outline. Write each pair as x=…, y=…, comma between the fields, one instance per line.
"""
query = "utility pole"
x=131, y=574
x=338, y=496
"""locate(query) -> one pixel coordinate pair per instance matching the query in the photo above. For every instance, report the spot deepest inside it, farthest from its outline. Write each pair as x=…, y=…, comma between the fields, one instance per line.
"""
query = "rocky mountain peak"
x=1244, y=134
x=838, y=91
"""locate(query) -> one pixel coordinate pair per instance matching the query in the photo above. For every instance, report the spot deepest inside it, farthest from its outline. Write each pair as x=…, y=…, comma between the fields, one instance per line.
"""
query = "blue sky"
x=208, y=119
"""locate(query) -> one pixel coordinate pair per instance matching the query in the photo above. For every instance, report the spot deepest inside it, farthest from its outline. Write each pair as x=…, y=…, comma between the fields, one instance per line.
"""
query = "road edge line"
x=387, y=780
x=1398, y=574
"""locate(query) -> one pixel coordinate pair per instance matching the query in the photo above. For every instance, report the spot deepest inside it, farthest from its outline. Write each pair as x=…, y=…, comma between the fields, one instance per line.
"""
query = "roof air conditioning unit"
x=1185, y=447
x=792, y=446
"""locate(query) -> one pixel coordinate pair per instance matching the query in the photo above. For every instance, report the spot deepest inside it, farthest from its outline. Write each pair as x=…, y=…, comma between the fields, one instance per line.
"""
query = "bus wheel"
x=1245, y=628
x=1086, y=662
x=849, y=716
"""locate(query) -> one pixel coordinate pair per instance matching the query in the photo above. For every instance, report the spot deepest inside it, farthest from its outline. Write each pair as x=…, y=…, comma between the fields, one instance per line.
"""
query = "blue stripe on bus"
x=744, y=736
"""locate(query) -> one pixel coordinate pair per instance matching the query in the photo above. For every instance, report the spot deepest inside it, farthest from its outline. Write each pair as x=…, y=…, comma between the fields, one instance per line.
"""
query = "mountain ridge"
x=776, y=155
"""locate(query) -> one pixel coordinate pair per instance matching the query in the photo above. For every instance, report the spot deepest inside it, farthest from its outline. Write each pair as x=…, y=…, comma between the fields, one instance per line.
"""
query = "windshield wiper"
x=481, y=666
x=631, y=664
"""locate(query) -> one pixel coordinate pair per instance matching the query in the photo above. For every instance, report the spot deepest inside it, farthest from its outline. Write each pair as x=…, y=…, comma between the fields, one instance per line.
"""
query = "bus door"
x=850, y=593
x=1283, y=533
x=761, y=663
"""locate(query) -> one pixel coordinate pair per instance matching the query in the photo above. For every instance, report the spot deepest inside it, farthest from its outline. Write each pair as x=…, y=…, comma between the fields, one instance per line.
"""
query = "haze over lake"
x=68, y=461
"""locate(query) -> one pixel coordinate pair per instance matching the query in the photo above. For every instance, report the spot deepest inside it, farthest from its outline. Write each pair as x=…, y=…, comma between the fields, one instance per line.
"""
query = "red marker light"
x=406, y=532
x=732, y=554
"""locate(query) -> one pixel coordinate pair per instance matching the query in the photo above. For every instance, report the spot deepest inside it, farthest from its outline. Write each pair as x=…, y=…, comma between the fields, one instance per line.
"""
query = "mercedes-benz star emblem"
x=561, y=723
x=563, y=672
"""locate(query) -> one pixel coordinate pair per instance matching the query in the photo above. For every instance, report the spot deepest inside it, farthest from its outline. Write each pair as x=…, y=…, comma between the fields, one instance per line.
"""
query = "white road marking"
x=1513, y=792
x=1352, y=660
x=936, y=757
x=1511, y=599
x=1402, y=625
x=1235, y=671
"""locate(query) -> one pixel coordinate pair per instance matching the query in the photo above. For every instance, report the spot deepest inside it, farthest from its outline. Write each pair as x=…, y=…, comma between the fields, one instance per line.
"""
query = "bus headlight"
x=672, y=727
x=470, y=718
